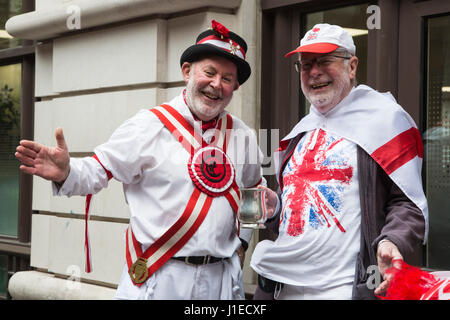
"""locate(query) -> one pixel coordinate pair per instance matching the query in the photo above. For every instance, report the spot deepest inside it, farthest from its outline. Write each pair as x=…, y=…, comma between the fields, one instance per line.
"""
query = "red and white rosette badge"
x=212, y=171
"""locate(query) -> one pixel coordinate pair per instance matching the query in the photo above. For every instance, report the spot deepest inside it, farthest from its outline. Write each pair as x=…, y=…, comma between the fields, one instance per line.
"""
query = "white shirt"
x=319, y=232
x=152, y=165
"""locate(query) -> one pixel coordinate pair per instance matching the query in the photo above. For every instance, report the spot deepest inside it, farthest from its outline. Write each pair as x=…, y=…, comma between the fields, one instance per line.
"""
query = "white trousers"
x=176, y=280
x=290, y=292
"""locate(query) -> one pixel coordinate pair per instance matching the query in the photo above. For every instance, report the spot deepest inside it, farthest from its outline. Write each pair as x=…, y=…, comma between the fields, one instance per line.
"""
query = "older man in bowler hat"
x=180, y=176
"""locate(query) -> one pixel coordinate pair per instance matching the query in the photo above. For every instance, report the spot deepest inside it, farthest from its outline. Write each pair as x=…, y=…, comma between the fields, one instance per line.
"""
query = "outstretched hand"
x=51, y=163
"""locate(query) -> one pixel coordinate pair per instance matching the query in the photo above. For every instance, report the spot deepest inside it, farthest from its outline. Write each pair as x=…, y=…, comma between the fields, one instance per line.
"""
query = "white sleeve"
x=86, y=176
x=131, y=148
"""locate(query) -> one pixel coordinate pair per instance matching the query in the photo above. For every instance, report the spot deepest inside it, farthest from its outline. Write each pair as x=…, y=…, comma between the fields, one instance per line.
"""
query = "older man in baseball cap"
x=181, y=179
x=350, y=193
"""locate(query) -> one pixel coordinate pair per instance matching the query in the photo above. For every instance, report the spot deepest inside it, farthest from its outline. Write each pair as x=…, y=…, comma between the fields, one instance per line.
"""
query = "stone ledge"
x=35, y=285
x=52, y=23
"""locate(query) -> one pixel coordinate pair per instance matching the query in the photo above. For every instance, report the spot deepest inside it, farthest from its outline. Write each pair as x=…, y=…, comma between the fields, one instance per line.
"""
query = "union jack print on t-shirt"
x=314, y=180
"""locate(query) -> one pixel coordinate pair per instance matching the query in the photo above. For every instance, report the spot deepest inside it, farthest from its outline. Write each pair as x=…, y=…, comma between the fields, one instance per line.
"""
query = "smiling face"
x=326, y=85
x=210, y=83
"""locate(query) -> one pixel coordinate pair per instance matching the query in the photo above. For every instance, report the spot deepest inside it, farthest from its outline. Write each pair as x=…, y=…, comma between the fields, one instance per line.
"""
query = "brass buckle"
x=186, y=260
x=206, y=260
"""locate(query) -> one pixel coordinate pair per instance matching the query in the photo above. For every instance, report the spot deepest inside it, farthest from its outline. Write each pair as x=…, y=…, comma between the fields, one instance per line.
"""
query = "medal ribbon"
x=87, y=244
x=143, y=264
x=170, y=242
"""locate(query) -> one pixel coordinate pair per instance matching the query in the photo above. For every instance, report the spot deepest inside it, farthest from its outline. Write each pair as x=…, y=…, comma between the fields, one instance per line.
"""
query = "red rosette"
x=211, y=171
x=220, y=29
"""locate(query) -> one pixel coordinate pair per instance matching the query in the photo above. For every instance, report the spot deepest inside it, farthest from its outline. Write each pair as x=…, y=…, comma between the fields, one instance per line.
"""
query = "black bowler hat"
x=221, y=42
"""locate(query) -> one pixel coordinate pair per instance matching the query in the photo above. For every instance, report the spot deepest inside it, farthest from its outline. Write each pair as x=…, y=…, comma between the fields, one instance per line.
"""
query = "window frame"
x=413, y=71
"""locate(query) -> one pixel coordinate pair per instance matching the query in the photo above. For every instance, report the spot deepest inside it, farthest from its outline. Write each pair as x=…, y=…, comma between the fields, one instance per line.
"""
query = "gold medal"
x=138, y=271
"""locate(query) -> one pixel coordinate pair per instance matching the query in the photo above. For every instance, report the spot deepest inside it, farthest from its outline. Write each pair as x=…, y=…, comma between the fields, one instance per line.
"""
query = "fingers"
x=28, y=161
x=382, y=288
x=36, y=147
x=271, y=200
x=60, y=141
x=25, y=155
x=268, y=190
x=28, y=170
x=27, y=152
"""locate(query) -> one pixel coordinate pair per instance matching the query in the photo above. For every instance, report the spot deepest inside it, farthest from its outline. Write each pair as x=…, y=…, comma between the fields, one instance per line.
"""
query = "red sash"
x=212, y=174
x=208, y=181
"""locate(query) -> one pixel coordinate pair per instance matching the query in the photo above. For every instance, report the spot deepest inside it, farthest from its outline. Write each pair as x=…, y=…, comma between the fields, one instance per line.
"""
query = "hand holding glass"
x=252, y=208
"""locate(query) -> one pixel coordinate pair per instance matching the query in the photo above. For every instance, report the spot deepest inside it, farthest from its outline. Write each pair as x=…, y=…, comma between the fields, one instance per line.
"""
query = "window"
x=437, y=141
x=3, y=276
x=10, y=96
x=16, y=122
x=353, y=19
x=8, y=8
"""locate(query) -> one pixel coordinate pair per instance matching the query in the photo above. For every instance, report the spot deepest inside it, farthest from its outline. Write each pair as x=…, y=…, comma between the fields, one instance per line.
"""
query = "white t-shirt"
x=319, y=231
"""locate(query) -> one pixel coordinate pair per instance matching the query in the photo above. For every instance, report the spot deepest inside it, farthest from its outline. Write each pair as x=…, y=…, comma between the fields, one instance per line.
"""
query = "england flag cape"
x=382, y=128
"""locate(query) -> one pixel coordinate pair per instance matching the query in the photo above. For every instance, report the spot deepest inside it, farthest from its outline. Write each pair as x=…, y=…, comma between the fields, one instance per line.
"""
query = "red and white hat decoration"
x=221, y=38
x=220, y=41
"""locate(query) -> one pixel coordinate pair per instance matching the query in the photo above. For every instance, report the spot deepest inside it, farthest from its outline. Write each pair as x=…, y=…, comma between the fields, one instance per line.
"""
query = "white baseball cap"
x=325, y=38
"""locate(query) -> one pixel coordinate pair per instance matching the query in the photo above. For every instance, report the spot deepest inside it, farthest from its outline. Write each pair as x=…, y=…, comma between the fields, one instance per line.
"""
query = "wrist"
x=60, y=182
x=383, y=241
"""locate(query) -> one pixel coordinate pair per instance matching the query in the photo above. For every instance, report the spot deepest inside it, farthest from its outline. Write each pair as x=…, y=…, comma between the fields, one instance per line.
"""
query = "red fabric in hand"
x=408, y=282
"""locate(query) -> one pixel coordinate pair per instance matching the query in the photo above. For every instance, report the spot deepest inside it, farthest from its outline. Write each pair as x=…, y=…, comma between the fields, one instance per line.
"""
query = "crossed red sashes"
x=213, y=175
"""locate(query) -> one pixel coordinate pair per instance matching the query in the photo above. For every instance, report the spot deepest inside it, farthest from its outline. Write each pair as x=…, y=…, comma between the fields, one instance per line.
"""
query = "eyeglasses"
x=323, y=61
